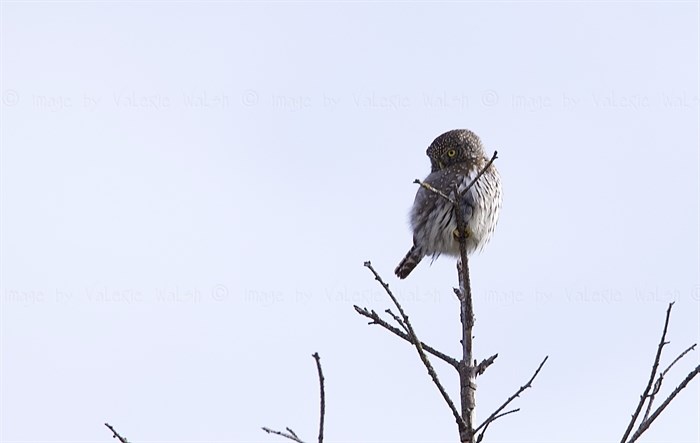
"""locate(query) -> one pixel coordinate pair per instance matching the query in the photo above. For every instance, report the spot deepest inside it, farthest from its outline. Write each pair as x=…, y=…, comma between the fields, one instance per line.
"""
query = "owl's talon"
x=456, y=234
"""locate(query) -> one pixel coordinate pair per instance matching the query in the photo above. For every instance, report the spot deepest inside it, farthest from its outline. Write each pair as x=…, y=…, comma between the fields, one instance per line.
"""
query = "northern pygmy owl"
x=456, y=157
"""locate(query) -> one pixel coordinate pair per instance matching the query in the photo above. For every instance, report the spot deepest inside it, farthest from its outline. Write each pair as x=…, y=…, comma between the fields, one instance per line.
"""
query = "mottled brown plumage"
x=456, y=157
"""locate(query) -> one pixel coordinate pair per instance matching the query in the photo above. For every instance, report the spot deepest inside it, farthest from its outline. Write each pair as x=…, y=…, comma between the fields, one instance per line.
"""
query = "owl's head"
x=454, y=147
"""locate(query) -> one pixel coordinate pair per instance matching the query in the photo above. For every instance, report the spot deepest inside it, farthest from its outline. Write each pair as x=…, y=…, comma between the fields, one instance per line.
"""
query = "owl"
x=456, y=157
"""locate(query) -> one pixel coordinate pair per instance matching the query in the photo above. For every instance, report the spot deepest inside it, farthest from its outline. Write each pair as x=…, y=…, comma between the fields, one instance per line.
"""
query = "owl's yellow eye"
x=451, y=153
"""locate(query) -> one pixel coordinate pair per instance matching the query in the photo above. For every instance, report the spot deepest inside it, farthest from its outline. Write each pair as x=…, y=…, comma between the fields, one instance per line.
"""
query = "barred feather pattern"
x=433, y=218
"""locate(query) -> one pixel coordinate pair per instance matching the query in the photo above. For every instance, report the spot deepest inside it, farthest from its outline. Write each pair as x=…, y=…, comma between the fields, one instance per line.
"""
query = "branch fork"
x=653, y=387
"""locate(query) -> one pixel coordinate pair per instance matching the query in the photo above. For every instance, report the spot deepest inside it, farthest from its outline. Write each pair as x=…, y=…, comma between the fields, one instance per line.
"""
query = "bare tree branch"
x=115, y=434
x=322, y=389
x=419, y=347
x=654, y=368
x=527, y=385
x=467, y=375
x=377, y=320
x=502, y=414
x=660, y=380
x=682, y=354
x=467, y=365
x=485, y=363
x=652, y=388
x=290, y=434
x=397, y=319
x=644, y=425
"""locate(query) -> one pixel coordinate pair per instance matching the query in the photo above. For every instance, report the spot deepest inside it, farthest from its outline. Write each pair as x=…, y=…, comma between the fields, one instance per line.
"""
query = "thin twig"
x=322, y=385
x=654, y=368
x=397, y=319
x=660, y=380
x=478, y=176
x=469, y=186
x=377, y=320
x=418, y=345
x=682, y=354
x=502, y=414
x=644, y=425
x=435, y=190
x=527, y=385
x=289, y=434
x=485, y=363
x=116, y=434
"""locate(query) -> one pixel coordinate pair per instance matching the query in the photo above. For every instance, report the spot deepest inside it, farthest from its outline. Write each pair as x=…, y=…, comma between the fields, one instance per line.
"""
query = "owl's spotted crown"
x=453, y=147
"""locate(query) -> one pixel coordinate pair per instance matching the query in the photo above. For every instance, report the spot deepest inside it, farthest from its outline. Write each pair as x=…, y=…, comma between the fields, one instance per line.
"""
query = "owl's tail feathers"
x=408, y=263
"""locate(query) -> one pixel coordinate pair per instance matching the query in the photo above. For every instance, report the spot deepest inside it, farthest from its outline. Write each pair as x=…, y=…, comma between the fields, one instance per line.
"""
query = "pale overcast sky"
x=189, y=191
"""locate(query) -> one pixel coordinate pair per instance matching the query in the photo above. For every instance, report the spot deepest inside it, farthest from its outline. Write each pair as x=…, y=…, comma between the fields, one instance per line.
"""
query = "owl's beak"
x=441, y=164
